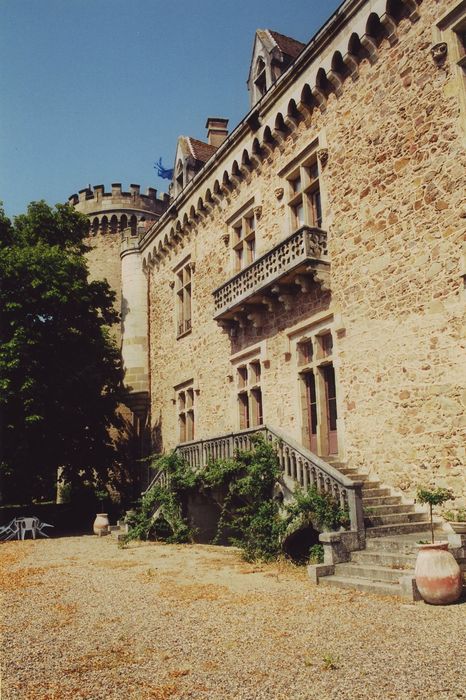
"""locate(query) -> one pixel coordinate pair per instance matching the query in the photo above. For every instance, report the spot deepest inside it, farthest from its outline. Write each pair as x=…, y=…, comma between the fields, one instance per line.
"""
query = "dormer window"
x=271, y=56
x=260, y=80
x=179, y=175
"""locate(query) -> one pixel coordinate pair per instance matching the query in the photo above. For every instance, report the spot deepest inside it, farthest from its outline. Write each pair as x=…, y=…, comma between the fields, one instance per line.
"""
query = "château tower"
x=109, y=214
x=116, y=219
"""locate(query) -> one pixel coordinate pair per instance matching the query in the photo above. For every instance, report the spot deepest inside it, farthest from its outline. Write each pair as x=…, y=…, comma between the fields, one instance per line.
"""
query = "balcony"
x=277, y=277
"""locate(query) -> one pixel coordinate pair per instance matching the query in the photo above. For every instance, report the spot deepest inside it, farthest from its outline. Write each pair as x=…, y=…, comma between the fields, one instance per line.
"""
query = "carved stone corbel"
x=171, y=284
x=302, y=282
x=336, y=81
x=390, y=28
x=371, y=47
x=284, y=296
x=322, y=277
x=322, y=155
x=240, y=320
x=439, y=52
x=192, y=265
x=412, y=9
x=279, y=192
x=320, y=98
x=291, y=122
x=258, y=211
x=268, y=303
x=351, y=63
x=256, y=319
x=226, y=238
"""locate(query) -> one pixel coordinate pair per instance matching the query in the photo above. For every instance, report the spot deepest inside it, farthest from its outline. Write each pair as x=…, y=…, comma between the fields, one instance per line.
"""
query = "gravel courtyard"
x=82, y=619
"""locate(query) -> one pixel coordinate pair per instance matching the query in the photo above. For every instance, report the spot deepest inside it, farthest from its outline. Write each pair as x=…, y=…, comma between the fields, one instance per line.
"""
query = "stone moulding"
x=276, y=275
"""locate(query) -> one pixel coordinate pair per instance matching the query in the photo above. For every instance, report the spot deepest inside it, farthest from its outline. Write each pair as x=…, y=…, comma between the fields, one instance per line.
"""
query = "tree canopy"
x=60, y=372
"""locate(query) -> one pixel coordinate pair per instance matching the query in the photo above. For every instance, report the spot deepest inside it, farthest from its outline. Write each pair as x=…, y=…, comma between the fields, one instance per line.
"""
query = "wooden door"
x=311, y=405
x=328, y=373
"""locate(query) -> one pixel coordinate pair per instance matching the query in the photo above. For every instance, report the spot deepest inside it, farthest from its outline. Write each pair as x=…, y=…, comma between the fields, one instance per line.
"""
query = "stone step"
x=382, y=531
x=336, y=463
x=381, y=500
x=403, y=542
x=370, y=572
x=385, y=509
x=371, y=491
x=395, y=519
x=379, y=557
x=361, y=584
x=365, y=478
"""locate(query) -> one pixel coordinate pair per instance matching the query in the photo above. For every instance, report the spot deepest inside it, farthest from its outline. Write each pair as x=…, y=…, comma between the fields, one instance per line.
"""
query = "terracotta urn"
x=438, y=575
x=101, y=524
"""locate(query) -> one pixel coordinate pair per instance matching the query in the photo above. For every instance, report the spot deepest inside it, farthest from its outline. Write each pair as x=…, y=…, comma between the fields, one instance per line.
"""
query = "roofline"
x=316, y=44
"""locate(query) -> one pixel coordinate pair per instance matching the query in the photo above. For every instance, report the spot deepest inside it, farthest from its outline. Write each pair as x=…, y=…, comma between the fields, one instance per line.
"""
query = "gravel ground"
x=83, y=619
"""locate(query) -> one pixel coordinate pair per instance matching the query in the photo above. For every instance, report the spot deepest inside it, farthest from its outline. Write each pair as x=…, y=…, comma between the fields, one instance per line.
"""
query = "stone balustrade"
x=295, y=262
x=299, y=466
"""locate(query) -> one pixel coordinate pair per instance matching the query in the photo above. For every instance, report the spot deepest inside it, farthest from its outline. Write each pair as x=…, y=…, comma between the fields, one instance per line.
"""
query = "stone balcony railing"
x=276, y=277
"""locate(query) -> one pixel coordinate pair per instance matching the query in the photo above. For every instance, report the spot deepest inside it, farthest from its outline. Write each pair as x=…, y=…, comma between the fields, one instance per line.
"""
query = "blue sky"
x=94, y=91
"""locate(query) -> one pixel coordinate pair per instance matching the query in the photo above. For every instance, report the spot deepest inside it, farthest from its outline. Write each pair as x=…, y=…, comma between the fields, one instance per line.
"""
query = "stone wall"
x=392, y=189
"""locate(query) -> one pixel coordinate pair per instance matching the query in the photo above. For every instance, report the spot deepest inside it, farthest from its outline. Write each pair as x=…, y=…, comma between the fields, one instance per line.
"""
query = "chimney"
x=217, y=130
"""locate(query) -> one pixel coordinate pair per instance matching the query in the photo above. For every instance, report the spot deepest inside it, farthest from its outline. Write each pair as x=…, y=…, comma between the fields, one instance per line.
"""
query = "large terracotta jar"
x=438, y=576
x=101, y=524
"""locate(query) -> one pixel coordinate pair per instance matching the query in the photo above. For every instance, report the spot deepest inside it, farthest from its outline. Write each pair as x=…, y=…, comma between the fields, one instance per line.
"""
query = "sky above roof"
x=95, y=91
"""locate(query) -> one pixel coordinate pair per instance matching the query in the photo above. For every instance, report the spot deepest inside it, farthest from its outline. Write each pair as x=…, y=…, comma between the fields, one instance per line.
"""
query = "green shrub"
x=316, y=554
x=318, y=509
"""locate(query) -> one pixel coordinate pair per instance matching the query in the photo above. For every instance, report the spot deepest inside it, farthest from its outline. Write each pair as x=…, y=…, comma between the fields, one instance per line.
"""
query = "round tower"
x=109, y=214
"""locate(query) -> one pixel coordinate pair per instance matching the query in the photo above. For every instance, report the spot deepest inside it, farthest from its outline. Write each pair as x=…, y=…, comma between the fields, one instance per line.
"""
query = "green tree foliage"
x=60, y=373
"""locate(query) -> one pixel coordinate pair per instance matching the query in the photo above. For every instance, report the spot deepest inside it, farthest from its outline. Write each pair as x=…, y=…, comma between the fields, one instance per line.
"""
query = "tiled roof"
x=286, y=44
x=200, y=150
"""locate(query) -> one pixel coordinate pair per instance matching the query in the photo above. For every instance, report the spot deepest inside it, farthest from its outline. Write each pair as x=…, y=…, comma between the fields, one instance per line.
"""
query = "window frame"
x=244, y=240
x=183, y=288
x=185, y=406
x=249, y=396
x=308, y=196
x=317, y=363
x=451, y=29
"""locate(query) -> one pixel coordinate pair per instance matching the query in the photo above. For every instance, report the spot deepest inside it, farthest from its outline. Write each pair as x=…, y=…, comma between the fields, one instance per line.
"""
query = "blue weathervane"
x=166, y=173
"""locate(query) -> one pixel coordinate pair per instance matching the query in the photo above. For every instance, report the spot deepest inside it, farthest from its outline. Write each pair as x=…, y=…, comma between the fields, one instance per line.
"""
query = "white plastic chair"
x=32, y=525
x=40, y=526
x=28, y=525
x=7, y=532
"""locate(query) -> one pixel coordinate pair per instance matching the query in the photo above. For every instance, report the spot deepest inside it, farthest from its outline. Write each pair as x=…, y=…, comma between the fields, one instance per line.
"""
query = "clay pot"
x=101, y=524
x=438, y=576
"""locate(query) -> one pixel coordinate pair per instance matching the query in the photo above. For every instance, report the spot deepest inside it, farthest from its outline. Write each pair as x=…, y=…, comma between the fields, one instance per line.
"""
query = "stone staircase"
x=392, y=527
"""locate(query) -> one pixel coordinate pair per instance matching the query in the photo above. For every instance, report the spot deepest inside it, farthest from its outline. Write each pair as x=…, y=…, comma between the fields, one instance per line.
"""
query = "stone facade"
x=362, y=137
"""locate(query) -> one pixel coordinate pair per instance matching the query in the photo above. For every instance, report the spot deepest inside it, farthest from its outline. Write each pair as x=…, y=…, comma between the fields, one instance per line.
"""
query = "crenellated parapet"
x=114, y=211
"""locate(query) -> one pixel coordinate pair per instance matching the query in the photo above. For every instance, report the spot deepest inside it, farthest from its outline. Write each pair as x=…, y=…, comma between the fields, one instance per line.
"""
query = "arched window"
x=133, y=225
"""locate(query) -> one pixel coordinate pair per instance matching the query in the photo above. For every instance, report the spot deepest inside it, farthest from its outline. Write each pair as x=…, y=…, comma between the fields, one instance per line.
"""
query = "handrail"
x=159, y=478
x=298, y=464
x=307, y=469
